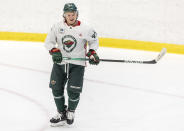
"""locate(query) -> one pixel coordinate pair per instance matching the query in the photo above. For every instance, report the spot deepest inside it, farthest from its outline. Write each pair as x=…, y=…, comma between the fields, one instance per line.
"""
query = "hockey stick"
x=154, y=61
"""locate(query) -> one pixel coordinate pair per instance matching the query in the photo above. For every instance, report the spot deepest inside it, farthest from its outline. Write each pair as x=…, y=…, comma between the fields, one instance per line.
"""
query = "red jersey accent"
x=77, y=24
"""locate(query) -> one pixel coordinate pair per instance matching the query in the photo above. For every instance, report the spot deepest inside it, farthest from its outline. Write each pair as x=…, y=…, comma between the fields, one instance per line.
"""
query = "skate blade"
x=62, y=123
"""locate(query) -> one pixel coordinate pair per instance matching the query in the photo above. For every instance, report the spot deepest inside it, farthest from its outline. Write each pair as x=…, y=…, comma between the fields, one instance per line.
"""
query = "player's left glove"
x=93, y=57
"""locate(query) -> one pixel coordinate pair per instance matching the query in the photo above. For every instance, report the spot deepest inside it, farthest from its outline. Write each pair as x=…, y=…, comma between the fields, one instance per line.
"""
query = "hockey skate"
x=59, y=119
x=70, y=115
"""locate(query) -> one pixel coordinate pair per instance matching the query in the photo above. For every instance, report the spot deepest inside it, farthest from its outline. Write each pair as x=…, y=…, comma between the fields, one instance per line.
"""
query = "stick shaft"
x=154, y=61
x=111, y=60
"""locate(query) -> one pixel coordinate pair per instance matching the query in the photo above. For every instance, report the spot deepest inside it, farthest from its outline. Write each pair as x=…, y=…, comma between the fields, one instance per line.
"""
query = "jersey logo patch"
x=69, y=43
x=61, y=30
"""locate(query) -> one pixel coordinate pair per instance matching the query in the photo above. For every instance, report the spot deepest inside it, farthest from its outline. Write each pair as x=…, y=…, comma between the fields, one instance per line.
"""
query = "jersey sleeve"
x=92, y=39
x=51, y=39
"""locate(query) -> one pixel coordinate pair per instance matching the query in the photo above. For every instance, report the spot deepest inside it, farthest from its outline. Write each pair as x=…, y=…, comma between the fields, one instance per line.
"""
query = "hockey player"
x=69, y=38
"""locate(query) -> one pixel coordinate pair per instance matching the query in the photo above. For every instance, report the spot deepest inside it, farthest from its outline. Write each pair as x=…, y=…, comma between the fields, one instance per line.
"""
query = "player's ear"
x=77, y=14
x=64, y=15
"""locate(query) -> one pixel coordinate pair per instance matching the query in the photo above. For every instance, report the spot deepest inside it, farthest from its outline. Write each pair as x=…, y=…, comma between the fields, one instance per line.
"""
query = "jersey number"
x=94, y=35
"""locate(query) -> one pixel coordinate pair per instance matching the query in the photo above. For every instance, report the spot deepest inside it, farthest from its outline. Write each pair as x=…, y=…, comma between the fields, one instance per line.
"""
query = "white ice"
x=115, y=97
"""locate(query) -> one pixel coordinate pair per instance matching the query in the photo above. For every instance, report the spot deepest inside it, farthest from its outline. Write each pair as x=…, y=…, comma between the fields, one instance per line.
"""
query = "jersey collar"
x=77, y=24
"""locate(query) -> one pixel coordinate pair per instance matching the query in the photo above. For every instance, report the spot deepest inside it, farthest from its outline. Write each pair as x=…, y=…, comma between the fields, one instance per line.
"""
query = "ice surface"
x=116, y=96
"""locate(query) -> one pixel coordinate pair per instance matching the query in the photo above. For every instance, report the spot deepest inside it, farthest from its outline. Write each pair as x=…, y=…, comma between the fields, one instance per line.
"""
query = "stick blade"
x=161, y=54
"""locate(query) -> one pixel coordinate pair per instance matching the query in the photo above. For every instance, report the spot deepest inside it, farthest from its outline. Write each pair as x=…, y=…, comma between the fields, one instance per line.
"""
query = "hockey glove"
x=93, y=57
x=56, y=55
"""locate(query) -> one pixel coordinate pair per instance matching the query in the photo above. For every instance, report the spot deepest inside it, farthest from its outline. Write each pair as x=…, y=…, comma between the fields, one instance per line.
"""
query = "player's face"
x=71, y=17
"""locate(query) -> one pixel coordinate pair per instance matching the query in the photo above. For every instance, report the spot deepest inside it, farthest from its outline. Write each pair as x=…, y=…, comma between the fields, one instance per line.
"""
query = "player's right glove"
x=56, y=55
x=93, y=57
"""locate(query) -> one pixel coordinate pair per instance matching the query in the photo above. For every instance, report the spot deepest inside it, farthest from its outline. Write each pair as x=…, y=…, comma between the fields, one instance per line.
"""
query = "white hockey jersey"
x=72, y=41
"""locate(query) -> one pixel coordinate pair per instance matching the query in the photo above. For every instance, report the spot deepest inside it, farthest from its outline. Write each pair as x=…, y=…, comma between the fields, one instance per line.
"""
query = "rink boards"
x=104, y=42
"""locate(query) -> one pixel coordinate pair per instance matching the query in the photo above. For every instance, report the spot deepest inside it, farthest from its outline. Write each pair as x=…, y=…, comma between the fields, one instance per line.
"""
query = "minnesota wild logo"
x=69, y=43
